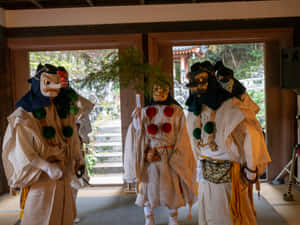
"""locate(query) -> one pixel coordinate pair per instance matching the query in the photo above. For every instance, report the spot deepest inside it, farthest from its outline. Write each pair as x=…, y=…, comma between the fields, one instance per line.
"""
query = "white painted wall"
x=152, y=13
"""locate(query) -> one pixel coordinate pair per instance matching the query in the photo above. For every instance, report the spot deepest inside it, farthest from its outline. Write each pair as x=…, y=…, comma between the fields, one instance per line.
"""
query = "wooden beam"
x=36, y=3
x=90, y=2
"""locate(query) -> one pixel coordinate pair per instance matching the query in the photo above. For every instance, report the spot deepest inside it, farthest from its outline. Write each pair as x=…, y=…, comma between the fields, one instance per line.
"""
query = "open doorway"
x=104, y=152
x=246, y=60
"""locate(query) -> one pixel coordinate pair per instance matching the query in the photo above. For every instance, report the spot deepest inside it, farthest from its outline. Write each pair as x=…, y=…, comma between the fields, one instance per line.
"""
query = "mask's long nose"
x=54, y=86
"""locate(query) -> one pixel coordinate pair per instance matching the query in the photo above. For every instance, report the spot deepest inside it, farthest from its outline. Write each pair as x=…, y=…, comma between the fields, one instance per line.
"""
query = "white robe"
x=171, y=181
x=49, y=202
x=84, y=128
x=239, y=139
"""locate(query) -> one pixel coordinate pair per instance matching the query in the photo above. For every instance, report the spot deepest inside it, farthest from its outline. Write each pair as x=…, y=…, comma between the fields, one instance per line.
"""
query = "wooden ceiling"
x=38, y=4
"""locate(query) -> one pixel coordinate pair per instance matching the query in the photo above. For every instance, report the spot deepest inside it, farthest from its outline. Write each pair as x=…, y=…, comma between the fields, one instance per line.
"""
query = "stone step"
x=108, y=127
x=102, y=179
x=103, y=130
x=104, y=157
x=113, y=167
x=101, y=144
x=108, y=154
x=107, y=123
x=108, y=137
x=109, y=146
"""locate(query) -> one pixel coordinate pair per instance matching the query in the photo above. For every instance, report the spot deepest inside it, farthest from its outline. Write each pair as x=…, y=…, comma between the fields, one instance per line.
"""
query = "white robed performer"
x=158, y=156
x=241, y=99
x=39, y=147
x=229, y=145
x=84, y=106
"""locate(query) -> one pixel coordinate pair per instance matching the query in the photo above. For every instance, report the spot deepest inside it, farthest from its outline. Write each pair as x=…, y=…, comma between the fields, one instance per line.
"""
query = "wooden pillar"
x=6, y=103
x=127, y=104
x=19, y=64
x=182, y=67
x=186, y=67
x=280, y=112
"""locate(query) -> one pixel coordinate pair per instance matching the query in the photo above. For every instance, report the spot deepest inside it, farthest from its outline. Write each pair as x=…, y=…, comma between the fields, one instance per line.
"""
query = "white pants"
x=214, y=204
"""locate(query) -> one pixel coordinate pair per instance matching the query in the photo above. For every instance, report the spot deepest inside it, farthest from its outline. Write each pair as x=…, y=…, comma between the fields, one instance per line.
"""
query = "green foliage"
x=91, y=161
x=242, y=58
x=177, y=72
x=128, y=69
x=258, y=96
x=78, y=63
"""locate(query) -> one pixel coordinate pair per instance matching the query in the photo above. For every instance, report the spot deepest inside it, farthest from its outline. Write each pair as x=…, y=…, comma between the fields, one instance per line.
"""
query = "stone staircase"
x=108, y=146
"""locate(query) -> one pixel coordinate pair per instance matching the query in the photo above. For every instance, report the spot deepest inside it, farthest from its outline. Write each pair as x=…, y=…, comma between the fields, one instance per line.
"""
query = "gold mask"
x=160, y=94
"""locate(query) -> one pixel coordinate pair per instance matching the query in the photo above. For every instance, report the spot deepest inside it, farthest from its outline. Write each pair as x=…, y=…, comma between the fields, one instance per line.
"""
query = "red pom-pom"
x=168, y=111
x=151, y=112
x=63, y=78
x=152, y=129
x=166, y=127
x=62, y=74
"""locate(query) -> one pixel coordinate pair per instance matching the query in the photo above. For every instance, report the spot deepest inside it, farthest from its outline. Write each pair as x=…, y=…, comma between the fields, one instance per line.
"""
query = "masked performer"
x=40, y=145
x=81, y=111
x=227, y=144
x=159, y=155
x=241, y=99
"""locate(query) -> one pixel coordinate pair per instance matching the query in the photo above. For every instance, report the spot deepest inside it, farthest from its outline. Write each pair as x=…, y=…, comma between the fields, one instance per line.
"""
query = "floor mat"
x=121, y=210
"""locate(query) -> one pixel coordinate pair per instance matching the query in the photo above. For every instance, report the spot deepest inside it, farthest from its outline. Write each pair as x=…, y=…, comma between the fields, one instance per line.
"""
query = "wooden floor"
x=290, y=211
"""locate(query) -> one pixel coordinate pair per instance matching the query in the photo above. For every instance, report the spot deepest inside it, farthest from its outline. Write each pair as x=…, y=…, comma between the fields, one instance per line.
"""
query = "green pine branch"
x=129, y=70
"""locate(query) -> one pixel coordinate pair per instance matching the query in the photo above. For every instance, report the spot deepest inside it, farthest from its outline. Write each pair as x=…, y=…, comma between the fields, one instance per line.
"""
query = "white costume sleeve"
x=18, y=154
x=76, y=147
x=135, y=145
x=192, y=121
x=256, y=153
x=82, y=118
x=130, y=156
x=183, y=160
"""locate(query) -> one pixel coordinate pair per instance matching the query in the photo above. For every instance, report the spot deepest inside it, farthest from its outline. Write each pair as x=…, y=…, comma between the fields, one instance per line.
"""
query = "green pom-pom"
x=197, y=133
x=74, y=109
x=209, y=127
x=48, y=132
x=63, y=112
x=68, y=131
x=73, y=96
x=196, y=113
x=39, y=113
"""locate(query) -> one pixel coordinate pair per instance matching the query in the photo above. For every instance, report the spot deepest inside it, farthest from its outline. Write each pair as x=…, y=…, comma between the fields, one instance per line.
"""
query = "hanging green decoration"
x=39, y=113
x=209, y=127
x=197, y=133
x=68, y=131
x=48, y=132
x=131, y=68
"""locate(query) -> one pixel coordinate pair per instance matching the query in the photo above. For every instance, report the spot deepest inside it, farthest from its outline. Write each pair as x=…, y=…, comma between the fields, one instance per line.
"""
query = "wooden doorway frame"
x=280, y=104
x=18, y=63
